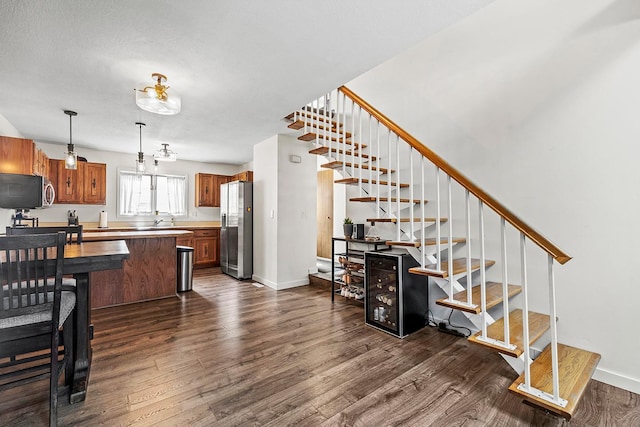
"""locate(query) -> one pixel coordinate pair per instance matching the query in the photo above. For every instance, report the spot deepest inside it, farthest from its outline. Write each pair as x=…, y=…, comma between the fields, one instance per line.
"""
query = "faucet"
x=157, y=222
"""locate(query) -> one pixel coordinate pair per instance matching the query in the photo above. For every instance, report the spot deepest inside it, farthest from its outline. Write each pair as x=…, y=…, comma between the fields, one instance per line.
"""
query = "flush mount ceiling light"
x=70, y=157
x=155, y=99
x=165, y=155
x=140, y=161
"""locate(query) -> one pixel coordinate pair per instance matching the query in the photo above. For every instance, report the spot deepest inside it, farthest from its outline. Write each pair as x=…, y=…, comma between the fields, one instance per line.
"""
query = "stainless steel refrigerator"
x=236, y=232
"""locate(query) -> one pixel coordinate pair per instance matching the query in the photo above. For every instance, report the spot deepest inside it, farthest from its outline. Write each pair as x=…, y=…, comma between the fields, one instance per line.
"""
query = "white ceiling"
x=239, y=65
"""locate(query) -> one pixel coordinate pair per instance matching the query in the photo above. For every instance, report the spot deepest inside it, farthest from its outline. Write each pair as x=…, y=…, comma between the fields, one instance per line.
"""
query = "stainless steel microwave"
x=25, y=192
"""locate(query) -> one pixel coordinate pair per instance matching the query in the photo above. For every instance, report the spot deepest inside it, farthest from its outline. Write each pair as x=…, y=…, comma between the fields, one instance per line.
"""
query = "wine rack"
x=395, y=300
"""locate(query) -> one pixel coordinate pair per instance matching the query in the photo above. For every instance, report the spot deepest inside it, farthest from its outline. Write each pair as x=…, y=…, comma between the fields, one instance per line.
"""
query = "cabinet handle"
x=206, y=190
x=93, y=183
x=68, y=182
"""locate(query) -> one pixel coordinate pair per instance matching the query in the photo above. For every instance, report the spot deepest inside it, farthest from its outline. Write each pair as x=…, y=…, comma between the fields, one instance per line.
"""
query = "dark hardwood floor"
x=231, y=353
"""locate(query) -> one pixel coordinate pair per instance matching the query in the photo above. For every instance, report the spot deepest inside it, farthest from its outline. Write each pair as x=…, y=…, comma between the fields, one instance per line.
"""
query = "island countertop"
x=132, y=234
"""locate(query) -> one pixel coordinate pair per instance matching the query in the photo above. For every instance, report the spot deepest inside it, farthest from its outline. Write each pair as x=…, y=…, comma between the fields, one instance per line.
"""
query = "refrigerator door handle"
x=223, y=221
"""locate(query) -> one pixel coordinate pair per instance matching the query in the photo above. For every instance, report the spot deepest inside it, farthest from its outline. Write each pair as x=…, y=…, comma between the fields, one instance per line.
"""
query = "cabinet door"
x=204, y=189
x=205, y=251
x=95, y=183
x=217, y=181
x=16, y=155
x=69, y=182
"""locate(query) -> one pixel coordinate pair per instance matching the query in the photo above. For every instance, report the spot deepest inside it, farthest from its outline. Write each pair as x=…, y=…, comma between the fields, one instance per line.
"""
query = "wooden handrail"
x=496, y=206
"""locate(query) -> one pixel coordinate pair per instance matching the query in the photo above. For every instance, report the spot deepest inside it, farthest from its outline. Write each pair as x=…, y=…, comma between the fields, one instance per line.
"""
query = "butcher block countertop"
x=132, y=234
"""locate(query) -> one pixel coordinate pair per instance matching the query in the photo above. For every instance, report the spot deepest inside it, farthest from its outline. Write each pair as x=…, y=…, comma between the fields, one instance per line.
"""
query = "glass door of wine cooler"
x=382, y=296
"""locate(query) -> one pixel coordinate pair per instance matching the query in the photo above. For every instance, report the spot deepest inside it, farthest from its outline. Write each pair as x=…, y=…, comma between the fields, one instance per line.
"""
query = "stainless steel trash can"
x=185, y=268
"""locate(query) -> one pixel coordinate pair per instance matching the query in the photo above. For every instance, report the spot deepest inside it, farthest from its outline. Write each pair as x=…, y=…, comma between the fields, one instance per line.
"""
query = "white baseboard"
x=281, y=286
x=617, y=380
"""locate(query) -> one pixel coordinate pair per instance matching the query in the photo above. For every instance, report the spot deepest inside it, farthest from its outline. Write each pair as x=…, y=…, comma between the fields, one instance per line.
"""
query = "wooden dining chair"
x=33, y=309
x=73, y=232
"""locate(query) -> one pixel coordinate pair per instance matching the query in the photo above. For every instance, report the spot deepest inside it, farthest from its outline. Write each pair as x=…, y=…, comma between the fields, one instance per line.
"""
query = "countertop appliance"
x=236, y=229
x=25, y=191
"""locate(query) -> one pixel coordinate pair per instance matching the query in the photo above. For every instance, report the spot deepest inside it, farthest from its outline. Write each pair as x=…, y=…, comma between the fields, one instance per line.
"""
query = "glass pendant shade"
x=140, y=166
x=70, y=157
x=156, y=99
x=165, y=155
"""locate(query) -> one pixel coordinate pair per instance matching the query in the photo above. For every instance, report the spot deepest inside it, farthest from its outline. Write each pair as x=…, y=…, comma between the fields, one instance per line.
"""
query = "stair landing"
x=575, y=367
x=538, y=324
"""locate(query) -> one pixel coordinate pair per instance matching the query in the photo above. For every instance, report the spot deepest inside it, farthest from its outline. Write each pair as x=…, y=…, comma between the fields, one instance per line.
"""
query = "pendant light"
x=140, y=161
x=165, y=155
x=70, y=157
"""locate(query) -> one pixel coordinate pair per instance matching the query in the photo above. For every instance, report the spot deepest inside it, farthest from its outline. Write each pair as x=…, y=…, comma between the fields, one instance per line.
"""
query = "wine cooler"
x=396, y=301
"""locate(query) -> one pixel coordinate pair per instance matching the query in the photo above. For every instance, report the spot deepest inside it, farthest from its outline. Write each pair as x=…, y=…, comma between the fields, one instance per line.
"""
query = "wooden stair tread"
x=297, y=125
x=338, y=164
x=395, y=220
x=538, y=324
x=494, y=297
x=384, y=199
x=354, y=180
x=459, y=266
x=315, y=117
x=324, y=150
x=575, y=368
x=427, y=242
x=310, y=136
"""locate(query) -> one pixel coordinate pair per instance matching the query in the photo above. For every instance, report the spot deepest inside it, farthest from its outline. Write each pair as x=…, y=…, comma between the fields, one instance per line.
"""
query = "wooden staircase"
x=557, y=378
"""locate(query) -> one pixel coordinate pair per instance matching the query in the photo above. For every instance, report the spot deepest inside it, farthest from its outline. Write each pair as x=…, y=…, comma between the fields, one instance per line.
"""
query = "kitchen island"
x=149, y=273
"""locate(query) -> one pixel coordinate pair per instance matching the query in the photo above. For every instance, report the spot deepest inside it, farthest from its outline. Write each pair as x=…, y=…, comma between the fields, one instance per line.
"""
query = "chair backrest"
x=73, y=232
x=31, y=275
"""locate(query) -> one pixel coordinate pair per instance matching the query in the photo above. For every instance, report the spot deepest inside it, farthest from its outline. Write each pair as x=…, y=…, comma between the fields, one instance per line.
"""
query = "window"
x=144, y=194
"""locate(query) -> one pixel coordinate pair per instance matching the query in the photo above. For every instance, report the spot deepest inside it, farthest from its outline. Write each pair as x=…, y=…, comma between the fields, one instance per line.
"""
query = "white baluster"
x=554, y=331
x=422, y=213
x=370, y=150
x=505, y=283
x=389, y=176
x=483, y=279
x=438, y=231
x=371, y=162
x=525, y=313
x=411, y=217
x=468, y=227
x=398, y=188
x=450, y=237
x=359, y=151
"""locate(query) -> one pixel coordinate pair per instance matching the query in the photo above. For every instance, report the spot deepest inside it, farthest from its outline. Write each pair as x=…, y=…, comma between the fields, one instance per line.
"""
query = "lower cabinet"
x=207, y=244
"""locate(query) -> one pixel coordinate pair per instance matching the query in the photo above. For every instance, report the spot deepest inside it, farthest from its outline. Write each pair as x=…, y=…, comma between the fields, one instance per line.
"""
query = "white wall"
x=537, y=102
x=265, y=212
x=285, y=226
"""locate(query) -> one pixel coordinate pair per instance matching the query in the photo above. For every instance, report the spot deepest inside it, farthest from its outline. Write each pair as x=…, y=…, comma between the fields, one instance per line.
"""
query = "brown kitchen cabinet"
x=185, y=240
x=85, y=185
x=207, y=243
x=208, y=189
x=40, y=162
x=95, y=183
x=16, y=155
x=243, y=176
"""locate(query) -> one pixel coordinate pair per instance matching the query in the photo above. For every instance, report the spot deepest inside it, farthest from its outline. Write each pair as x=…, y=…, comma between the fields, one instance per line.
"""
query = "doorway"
x=324, y=206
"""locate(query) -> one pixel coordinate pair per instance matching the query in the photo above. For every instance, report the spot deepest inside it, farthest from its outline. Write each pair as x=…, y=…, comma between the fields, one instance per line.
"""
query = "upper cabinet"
x=208, y=189
x=17, y=156
x=95, y=183
x=243, y=176
x=85, y=185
